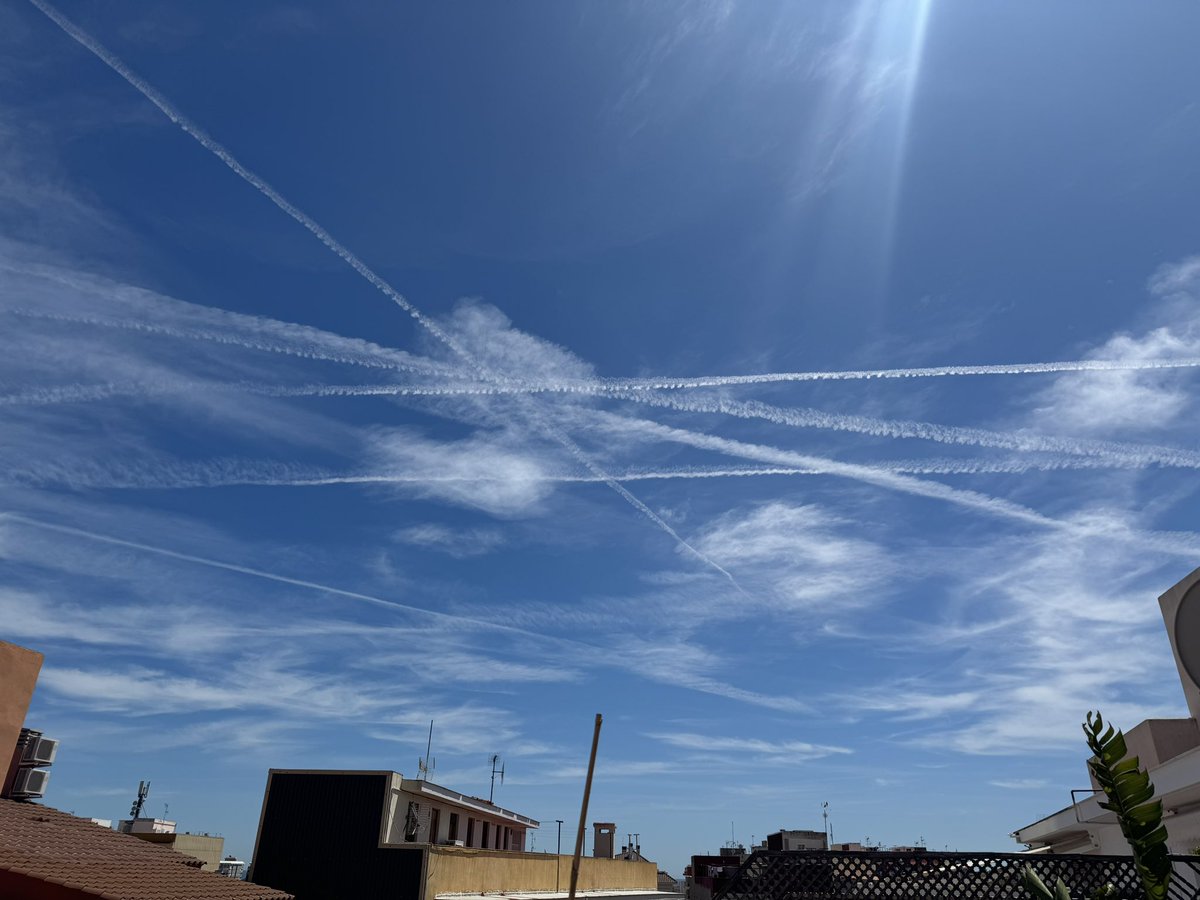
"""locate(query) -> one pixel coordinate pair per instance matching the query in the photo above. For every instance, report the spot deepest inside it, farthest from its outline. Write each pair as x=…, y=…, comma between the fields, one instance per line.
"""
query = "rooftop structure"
x=797, y=839
x=48, y=853
x=392, y=837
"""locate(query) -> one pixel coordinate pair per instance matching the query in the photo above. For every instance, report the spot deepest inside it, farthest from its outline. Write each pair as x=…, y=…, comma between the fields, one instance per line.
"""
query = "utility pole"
x=558, y=854
x=587, y=790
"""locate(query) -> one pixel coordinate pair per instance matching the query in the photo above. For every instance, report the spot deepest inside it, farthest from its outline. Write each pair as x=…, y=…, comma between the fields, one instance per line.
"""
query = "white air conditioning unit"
x=39, y=752
x=30, y=783
x=1181, y=614
x=454, y=843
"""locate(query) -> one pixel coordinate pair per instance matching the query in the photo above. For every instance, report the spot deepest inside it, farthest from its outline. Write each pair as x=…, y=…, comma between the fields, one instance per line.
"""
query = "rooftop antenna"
x=166, y=810
x=135, y=811
x=492, y=791
x=427, y=763
x=825, y=816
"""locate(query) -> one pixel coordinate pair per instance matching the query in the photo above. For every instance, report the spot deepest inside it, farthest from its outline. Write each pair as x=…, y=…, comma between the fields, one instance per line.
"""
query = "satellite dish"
x=1181, y=614
x=1187, y=633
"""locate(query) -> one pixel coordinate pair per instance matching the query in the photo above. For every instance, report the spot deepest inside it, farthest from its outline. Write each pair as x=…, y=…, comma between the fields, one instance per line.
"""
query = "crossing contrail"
x=206, y=141
x=1130, y=454
x=1112, y=454
x=220, y=325
x=1185, y=544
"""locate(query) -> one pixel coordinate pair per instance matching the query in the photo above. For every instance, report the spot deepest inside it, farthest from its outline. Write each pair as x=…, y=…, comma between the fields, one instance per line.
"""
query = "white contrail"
x=357, y=264
x=235, y=473
x=1185, y=544
x=396, y=360
x=260, y=573
x=879, y=477
x=581, y=650
x=250, y=332
x=218, y=150
x=378, y=357
x=1134, y=455
x=1035, y=368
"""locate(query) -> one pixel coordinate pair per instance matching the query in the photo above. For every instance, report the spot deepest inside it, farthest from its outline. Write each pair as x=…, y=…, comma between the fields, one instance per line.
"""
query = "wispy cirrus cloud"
x=459, y=543
x=708, y=743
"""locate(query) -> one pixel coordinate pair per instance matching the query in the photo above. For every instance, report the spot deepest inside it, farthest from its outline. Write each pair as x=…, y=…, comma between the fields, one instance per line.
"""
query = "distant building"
x=146, y=826
x=389, y=836
x=797, y=839
x=232, y=868
x=707, y=875
x=205, y=847
x=1169, y=749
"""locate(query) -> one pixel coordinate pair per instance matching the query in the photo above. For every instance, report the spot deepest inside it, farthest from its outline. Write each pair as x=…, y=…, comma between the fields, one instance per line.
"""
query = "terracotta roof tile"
x=53, y=846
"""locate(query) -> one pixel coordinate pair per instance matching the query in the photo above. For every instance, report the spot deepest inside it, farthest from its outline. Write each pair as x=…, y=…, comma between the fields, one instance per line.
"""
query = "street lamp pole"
x=558, y=861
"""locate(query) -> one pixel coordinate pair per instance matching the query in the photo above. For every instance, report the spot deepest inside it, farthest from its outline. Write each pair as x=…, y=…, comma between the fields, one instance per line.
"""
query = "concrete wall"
x=204, y=847
x=457, y=870
x=19, y=669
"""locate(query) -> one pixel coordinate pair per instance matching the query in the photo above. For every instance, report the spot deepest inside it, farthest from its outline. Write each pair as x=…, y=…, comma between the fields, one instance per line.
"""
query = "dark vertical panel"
x=320, y=836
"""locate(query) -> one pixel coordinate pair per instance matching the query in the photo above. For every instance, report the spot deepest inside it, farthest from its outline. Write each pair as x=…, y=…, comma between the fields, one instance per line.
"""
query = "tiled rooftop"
x=53, y=846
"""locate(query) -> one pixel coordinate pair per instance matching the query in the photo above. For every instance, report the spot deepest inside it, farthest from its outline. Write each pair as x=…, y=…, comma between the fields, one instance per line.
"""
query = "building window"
x=484, y=842
x=452, y=834
x=435, y=822
x=470, y=832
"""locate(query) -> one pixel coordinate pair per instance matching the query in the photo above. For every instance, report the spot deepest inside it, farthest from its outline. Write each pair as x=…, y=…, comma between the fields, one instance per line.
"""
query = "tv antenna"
x=495, y=759
x=427, y=763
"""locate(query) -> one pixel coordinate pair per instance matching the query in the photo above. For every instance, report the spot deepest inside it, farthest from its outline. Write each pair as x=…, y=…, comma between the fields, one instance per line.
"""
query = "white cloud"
x=1135, y=401
x=1074, y=627
x=491, y=471
x=802, y=555
x=457, y=542
x=1020, y=784
x=489, y=337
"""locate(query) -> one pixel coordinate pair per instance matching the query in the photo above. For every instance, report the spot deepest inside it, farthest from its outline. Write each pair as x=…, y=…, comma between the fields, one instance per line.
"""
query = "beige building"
x=1169, y=749
x=426, y=813
x=19, y=668
x=205, y=847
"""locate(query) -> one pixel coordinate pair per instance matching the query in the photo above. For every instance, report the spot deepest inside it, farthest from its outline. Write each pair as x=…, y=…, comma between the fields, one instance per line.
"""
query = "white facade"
x=426, y=813
x=232, y=868
x=1168, y=749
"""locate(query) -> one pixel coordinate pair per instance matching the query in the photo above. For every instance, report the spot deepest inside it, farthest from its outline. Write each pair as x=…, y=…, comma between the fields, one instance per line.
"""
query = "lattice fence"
x=820, y=875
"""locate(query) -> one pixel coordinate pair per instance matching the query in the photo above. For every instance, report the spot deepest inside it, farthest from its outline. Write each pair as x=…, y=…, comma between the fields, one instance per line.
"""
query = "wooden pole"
x=587, y=790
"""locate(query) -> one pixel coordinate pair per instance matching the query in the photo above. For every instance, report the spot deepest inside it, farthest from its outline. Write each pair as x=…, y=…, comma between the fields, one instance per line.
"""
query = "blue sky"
x=898, y=595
